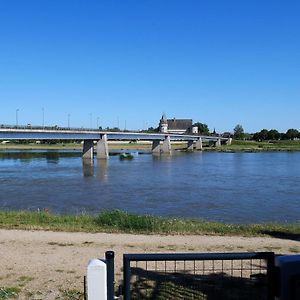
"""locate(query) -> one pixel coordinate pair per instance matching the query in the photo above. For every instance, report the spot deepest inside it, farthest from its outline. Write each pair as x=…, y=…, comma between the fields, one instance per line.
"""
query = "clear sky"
x=217, y=62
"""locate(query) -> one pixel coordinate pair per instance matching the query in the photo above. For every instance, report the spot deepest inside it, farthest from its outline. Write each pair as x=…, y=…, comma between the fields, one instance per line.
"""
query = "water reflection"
x=102, y=167
x=52, y=157
x=87, y=167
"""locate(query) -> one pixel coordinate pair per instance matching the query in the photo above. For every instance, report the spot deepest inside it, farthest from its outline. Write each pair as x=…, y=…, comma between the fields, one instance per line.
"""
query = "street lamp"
x=97, y=122
x=43, y=111
x=69, y=120
x=91, y=120
x=17, y=117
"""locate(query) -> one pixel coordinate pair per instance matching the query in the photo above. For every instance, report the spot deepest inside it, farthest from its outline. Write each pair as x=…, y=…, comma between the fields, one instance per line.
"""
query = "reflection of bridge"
x=161, y=142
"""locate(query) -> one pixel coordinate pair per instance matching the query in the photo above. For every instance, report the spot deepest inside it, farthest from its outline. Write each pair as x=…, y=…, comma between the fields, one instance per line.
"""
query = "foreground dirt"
x=51, y=265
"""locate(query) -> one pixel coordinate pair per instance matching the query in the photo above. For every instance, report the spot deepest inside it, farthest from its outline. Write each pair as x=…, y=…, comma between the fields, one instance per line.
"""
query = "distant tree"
x=152, y=129
x=202, y=128
x=273, y=134
x=261, y=136
x=291, y=134
x=238, y=132
x=248, y=136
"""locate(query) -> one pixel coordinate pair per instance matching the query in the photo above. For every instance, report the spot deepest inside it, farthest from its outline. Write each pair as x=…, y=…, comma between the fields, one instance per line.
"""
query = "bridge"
x=161, y=142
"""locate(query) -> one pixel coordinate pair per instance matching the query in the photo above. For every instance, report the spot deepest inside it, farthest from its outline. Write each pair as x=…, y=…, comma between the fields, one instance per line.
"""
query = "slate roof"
x=177, y=124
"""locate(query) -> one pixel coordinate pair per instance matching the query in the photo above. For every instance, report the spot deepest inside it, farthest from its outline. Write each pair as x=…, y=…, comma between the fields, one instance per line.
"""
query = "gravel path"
x=51, y=265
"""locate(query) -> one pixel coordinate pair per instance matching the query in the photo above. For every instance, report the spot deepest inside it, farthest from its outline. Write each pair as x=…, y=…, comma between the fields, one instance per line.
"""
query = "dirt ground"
x=51, y=265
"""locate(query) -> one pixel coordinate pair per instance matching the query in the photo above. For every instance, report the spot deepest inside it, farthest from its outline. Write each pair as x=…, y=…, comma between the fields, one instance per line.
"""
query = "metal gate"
x=209, y=276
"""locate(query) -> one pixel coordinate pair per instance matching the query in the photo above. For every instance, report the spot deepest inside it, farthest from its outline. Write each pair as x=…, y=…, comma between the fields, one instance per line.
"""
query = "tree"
x=291, y=134
x=273, y=134
x=261, y=136
x=202, y=128
x=152, y=129
x=238, y=132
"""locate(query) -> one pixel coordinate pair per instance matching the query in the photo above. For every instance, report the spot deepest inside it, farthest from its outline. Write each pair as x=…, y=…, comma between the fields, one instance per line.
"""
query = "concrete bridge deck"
x=161, y=142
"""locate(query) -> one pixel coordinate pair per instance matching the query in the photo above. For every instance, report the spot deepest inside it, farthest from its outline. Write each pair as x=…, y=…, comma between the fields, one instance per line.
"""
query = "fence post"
x=126, y=279
x=271, y=276
x=96, y=280
x=110, y=257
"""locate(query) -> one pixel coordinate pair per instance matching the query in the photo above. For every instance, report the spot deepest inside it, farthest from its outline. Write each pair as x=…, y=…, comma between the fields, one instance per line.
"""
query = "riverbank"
x=117, y=221
x=50, y=265
x=253, y=146
x=236, y=146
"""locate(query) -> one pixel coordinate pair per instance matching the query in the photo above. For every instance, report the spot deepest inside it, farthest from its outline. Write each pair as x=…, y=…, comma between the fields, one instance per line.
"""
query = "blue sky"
x=217, y=62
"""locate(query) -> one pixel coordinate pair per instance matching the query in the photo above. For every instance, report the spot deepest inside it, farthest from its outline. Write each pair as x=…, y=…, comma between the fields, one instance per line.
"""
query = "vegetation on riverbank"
x=122, y=222
x=253, y=146
x=236, y=146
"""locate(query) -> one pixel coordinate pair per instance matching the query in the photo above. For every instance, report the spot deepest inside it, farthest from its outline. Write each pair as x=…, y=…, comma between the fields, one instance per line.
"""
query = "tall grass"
x=123, y=222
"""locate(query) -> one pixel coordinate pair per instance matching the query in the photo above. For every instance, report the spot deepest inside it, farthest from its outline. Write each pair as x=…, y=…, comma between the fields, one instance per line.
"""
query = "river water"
x=228, y=187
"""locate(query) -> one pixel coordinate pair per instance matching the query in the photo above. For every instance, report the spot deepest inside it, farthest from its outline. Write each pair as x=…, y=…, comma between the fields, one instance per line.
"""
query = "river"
x=227, y=187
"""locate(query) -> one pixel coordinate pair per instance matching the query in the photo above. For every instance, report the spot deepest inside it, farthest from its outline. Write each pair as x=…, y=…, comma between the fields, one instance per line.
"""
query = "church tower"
x=163, y=124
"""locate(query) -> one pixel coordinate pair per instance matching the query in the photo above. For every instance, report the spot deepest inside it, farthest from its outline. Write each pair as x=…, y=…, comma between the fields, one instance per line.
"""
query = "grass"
x=236, y=146
x=9, y=293
x=117, y=221
x=71, y=295
x=254, y=146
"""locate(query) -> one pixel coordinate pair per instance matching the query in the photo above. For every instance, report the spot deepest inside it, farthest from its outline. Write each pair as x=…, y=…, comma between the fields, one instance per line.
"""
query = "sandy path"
x=44, y=264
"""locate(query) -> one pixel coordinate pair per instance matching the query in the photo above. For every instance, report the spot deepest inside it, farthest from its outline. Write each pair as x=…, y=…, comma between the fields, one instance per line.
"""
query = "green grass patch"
x=9, y=293
x=71, y=295
x=239, y=145
x=123, y=222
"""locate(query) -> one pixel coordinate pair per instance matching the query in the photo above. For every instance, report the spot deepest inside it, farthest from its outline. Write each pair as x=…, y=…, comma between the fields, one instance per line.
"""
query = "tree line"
x=265, y=134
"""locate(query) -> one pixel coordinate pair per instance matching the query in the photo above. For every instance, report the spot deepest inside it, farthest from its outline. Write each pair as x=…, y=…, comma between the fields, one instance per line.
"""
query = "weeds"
x=123, y=222
x=9, y=293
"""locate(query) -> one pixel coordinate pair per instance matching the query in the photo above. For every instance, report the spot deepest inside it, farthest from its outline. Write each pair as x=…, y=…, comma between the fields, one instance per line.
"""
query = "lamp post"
x=97, y=122
x=43, y=111
x=17, y=117
x=91, y=120
x=69, y=115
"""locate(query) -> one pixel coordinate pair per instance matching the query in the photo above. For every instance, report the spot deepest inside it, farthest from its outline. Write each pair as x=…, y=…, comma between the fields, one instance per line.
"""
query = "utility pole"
x=91, y=120
x=17, y=116
x=43, y=111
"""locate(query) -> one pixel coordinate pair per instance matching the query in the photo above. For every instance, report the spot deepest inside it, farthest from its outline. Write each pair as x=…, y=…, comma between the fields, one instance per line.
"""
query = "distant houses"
x=177, y=126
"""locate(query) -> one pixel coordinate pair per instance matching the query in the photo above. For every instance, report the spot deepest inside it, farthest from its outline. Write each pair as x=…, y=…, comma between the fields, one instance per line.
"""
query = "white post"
x=97, y=280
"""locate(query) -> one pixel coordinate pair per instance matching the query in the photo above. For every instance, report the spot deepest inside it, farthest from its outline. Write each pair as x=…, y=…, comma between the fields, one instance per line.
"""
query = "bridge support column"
x=88, y=149
x=199, y=144
x=190, y=146
x=156, y=146
x=102, y=148
x=166, y=146
x=218, y=143
x=229, y=141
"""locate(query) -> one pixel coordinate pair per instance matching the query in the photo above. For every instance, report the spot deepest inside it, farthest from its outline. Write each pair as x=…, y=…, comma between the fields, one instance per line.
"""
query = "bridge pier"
x=190, y=146
x=166, y=146
x=218, y=143
x=88, y=149
x=199, y=144
x=102, y=148
x=229, y=141
x=156, y=146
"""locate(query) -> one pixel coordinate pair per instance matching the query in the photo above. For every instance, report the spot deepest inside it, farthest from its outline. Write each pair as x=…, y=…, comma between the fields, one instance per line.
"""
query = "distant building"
x=177, y=126
x=227, y=135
